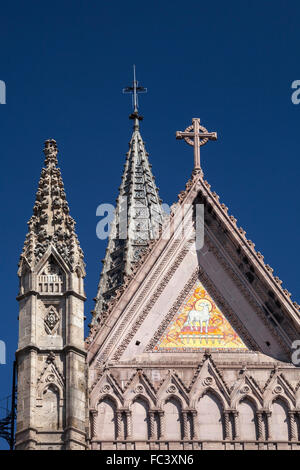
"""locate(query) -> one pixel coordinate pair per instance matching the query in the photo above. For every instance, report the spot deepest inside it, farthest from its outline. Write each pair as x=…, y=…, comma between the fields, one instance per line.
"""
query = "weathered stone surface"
x=51, y=355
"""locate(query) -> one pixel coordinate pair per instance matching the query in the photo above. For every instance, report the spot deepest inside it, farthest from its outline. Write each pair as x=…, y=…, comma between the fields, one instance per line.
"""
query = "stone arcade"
x=188, y=348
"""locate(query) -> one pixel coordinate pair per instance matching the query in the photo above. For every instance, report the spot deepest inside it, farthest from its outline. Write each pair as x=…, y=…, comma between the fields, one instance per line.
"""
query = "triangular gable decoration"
x=199, y=324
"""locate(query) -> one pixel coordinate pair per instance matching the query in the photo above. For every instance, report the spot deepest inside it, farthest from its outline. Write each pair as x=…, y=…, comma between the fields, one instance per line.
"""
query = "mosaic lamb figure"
x=202, y=316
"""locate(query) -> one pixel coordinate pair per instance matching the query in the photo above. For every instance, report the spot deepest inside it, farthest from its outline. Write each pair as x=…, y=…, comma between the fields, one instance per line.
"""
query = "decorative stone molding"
x=172, y=389
x=106, y=388
x=278, y=390
x=257, y=308
x=139, y=389
x=172, y=312
x=293, y=426
x=227, y=425
x=208, y=381
x=51, y=320
x=207, y=195
x=152, y=300
x=245, y=389
x=93, y=421
x=152, y=425
x=260, y=430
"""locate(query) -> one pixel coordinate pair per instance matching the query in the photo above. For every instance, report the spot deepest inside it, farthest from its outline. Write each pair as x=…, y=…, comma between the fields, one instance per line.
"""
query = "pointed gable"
x=243, y=289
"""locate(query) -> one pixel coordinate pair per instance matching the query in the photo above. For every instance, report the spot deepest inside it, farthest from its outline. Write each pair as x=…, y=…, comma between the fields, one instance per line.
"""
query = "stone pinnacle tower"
x=137, y=219
x=51, y=356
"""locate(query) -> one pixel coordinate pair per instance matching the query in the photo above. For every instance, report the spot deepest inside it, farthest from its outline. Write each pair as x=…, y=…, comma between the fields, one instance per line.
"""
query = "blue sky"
x=230, y=63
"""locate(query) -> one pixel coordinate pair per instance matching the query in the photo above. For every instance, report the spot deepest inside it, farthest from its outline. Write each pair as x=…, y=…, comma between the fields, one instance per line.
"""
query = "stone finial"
x=50, y=151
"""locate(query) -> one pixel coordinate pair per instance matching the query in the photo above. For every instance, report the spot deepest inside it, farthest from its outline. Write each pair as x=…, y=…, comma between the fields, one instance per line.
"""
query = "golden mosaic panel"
x=199, y=323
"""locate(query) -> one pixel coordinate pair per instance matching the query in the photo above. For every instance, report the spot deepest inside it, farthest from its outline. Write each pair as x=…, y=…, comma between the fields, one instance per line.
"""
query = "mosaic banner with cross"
x=199, y=323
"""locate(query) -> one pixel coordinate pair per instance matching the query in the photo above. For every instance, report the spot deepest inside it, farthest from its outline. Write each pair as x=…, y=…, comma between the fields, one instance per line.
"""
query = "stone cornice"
x=67, y=348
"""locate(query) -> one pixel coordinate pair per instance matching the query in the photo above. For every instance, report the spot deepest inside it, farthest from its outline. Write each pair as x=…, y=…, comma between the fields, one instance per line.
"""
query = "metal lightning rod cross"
x=135, y=89
x=196, y=136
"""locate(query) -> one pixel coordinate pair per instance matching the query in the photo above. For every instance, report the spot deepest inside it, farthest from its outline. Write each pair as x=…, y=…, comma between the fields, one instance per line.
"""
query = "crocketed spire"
x=51, y=223
x=138, y=203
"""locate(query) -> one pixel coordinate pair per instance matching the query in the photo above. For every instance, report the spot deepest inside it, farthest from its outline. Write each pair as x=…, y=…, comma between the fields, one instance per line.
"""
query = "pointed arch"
x=79, y=279
x=49, y=414
x=173, y=418
x=210, y=416
x=51, y=277
x=43, y=388
x=217, y=393
x=140, y=418
x=280, y=419
x=106, y=428
x=248, y=428
x=109, y=398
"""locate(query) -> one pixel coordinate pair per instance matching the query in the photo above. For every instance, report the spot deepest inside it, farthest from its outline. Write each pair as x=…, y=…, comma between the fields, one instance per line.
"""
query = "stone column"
x=161, y=425
x=94, y=414
x=195, y=425
x=260, y=430
x=227, y=425
x=269, y=425
x=236, y=425
x=128, y=424
x=185, y=425
x=293, y=426
x=152, y=425
x=120, y=429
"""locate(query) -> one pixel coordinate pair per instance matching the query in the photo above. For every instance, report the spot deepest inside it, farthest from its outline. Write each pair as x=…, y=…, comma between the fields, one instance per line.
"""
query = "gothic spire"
x=139, y=205
x=51, y=223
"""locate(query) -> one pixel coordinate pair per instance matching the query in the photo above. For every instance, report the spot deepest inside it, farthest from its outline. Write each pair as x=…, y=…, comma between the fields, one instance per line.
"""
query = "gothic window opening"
x=279, y=421
x=210, y=418
x=173, y=419
x=140, y=419
x=107, y=419
x=50, y=419
x=248, y=420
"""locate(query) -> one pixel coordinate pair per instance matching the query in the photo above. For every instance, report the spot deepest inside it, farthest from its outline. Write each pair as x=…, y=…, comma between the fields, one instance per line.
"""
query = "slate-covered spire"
x=139, y=204
x=51, y=223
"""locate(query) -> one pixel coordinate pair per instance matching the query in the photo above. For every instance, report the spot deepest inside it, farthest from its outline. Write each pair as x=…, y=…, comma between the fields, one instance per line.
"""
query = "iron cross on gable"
x=196, y=136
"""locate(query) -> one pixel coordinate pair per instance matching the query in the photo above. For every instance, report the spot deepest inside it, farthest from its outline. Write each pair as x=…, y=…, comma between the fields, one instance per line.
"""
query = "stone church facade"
x=189, y=347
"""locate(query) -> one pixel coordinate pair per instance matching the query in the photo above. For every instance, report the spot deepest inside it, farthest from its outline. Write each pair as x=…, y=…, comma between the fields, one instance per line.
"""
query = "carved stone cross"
x=196, y=136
